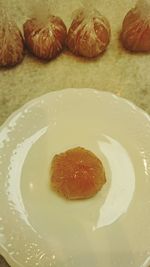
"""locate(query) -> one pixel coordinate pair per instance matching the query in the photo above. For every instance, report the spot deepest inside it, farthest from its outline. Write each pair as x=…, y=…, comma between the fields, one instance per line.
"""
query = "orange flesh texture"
x=136, y=32
x=84, y=44
x=45, y=41
x=77, y=174
x=102, y=33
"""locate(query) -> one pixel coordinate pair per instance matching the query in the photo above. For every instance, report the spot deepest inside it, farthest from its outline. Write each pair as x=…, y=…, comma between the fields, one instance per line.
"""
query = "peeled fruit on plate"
x=77, y=174
x=45, y=39
x=135, y=35
x=89, y=33
x=11, y=42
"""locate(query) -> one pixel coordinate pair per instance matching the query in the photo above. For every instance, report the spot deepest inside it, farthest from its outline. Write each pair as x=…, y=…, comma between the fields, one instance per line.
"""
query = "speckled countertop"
x=118, y=71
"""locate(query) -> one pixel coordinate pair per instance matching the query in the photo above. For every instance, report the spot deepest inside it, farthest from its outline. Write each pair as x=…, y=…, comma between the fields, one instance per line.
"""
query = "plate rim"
x=96, y=91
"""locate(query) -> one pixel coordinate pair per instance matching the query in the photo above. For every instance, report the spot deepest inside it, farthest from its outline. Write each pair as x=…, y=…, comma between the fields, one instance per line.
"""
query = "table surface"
x=117, y=71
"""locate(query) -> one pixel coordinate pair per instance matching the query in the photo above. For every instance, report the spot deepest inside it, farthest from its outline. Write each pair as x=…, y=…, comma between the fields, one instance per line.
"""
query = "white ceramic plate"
x=39, y=228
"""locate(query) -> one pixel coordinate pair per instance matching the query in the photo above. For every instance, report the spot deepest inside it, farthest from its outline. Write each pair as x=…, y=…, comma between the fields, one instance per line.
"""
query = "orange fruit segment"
x=77, y=174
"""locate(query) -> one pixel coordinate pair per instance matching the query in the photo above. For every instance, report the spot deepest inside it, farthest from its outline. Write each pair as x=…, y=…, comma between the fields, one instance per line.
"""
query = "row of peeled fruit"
x=88, y=35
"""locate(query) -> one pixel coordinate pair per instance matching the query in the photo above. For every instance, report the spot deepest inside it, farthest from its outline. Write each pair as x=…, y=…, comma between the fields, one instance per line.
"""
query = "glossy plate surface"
x=39, y=228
